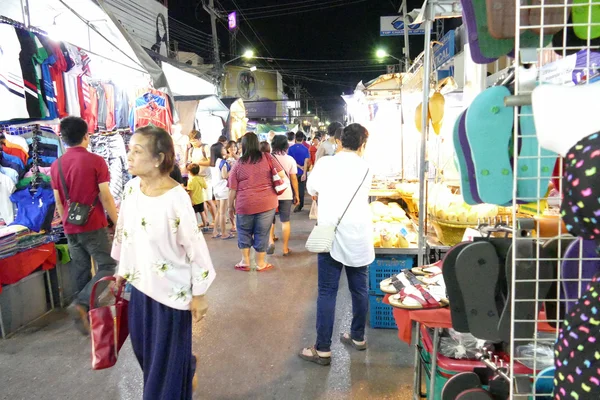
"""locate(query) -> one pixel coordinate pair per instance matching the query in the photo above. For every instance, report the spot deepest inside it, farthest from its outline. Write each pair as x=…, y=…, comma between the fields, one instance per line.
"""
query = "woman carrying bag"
x=342, y=185
x=163, y=255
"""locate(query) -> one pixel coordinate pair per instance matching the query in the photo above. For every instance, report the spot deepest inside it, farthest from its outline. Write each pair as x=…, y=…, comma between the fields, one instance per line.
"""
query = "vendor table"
x=17, y=267
x=435, y=319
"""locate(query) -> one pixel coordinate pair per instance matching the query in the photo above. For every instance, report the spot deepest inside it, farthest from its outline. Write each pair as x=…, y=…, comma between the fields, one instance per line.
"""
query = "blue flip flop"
x=463, y=156
x=489, y=125
x=535, y=165
x=544, y=384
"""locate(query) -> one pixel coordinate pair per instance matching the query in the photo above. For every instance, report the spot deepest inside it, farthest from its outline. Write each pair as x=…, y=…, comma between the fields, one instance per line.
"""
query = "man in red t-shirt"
x=86, y=180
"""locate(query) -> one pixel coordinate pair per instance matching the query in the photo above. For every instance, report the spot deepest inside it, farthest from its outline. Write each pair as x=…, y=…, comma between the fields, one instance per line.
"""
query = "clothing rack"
x=35, y=157
x=20, y=25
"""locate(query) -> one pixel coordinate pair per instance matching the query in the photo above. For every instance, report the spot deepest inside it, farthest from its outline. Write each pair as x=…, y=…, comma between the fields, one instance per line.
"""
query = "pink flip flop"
x=266, y=268
x=241, y=267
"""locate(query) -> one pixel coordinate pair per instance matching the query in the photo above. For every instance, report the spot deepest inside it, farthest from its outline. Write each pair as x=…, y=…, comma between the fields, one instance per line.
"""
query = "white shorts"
x=208, y=192
x=222, y=195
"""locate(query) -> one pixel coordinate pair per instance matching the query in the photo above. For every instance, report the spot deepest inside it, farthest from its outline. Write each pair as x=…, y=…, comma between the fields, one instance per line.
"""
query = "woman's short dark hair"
x=279, y=144
x=265, y=147
x=250, y=149
x=333, y=127
x=354, y=136
x=215, y=153
x=195, y=135
x=160, y=143
x=73, y=130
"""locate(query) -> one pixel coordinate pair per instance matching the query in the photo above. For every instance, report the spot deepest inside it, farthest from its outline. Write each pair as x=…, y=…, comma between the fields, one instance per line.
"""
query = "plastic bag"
x=313, y=211
x=460, y=345
x=543, y=354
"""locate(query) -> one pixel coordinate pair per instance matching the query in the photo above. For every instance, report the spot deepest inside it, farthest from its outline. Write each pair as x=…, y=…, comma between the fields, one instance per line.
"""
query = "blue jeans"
x=330, y=271
x=253, y=230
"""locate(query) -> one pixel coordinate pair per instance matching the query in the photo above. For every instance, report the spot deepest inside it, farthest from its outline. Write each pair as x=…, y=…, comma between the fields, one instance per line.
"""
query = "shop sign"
x=232, y=20
x=444, y=52
x=394, y=26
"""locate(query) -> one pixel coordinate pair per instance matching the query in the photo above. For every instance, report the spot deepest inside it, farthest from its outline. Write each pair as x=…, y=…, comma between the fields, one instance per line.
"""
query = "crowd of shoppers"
x=159, y=243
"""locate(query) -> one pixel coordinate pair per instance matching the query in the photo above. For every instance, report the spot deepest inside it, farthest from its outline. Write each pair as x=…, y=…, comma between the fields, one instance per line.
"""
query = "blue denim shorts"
x=285, y=210
x=253, y=230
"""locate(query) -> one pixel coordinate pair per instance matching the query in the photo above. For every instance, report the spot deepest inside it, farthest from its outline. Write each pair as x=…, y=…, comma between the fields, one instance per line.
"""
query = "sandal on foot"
x=346, y=339
x=271, y=249
x=265, y=268
x=287, y=254
x=216, y=236
x=275, y=238
x=314, y=357
x=242, y=267
x=230, y=236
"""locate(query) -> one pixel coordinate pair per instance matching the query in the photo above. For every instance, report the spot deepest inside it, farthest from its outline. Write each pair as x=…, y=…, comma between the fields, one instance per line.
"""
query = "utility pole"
x=213, y=21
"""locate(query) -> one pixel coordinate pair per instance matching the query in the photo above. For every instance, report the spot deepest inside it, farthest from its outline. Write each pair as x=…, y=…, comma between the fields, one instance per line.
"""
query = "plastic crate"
x=386, y=266
x=380, y=314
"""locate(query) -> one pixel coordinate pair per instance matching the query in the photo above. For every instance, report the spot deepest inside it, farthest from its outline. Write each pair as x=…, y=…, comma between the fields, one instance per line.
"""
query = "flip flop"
x=241, y=267
x=348, y=340
x=315, y=357
x=475, y=394
x=489, y=126
x=499, y=387
x=392, y=285
x=457, y=304
x=216, y=236
x=566, y=40
x=459, y=383
x=230, y=236
x=544, y=384
x=575, y=280
x=466, y=169
x=472, y=38
x=502, y=17
x=434, y=268
x=490, y=47
x=477, y=271
x=419, y=298
x=582, y=12
x=555, y=309
x=551, y=16
x=271, y=249
x=287, y=254
x=525, y=289
x=266, y=268
x=558, y=109
x=535, y=165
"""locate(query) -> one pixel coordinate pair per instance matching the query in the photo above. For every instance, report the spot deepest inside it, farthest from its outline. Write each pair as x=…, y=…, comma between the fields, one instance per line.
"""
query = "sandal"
x=230, y=236
x=216, y=236
x=433, y=269
x=241, y=267
x=418, y=298
x=275, y=238
x=287, y=254
x=394, y=284
x=315, y=357
x=271, y=249
x=265, y=268
x=346, y=339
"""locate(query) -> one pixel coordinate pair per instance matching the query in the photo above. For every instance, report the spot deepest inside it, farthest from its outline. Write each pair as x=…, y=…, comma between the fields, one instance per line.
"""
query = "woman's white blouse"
x=159, y=247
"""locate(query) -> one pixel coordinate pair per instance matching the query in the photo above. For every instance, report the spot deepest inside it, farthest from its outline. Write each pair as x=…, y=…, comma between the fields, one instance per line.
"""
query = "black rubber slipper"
x=555, y=310
x=457, y=305
x=524, y=310
x=477, y=271
x=459, y=383
x=475, y=394
x=348, y=341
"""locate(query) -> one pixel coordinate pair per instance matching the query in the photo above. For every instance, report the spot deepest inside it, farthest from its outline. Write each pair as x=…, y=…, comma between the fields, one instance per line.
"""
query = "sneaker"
x=79, y=314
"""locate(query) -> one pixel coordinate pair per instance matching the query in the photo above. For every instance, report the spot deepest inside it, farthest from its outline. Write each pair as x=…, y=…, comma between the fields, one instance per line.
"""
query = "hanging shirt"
x=39, y=57
x=90, y=112
x=48, y=90
x=121, y=108
x=109, y=98
x=12, y=86
x=56, y=73
x=18, y=141
x=33, y=208
x=71, y=79
x=102, y=107
x=161, y=251
x=7, y=187
x=11, y=173
x=15, y=150
x=151, y=109
x=28, y=50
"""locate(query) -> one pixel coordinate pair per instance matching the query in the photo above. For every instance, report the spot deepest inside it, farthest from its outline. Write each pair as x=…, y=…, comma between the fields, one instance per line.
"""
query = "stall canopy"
x=183, y=83
x=206, y=112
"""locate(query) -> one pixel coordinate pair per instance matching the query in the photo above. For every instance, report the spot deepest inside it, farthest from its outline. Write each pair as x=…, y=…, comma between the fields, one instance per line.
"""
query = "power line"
x=347, y=3
x=279, y=5
x=289, y=7
x=196, y=30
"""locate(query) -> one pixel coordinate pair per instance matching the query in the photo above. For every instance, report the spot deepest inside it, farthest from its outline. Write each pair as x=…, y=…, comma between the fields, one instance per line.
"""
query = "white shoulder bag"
x=322, y=236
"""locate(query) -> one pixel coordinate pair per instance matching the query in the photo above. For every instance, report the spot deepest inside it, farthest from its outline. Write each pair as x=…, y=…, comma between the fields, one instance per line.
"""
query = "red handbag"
x=279, y=185
x=109, y=328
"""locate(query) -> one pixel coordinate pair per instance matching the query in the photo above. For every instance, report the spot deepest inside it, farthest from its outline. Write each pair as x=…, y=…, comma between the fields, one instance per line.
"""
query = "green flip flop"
x=489, y=126
x=581, y=15
x=532, y=161
x=490, y=47
x=463, y=158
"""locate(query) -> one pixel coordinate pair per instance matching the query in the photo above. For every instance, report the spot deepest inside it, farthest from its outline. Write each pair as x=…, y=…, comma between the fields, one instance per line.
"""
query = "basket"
x=450, y=234
x=385, y=266
x=381, y=315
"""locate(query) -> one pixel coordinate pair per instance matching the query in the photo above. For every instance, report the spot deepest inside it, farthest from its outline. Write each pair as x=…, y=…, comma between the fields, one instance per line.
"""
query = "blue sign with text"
x=444, y=52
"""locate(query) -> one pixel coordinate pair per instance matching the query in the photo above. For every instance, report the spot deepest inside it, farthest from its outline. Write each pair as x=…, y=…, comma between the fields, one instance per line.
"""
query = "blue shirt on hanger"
x=32, y=208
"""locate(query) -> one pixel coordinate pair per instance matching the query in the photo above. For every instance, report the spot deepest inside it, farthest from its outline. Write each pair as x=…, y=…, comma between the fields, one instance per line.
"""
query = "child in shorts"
x=195, y=188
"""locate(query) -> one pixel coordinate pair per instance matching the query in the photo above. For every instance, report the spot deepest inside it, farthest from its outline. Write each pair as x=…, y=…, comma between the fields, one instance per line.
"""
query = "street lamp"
x=381, y=53
x=247, y=54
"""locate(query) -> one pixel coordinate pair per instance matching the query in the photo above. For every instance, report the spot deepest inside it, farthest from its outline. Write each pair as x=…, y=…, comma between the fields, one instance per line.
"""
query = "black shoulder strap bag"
x=77, y=213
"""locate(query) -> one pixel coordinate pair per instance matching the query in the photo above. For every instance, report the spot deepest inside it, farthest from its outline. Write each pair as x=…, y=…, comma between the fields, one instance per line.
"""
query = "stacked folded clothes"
x=15, y=239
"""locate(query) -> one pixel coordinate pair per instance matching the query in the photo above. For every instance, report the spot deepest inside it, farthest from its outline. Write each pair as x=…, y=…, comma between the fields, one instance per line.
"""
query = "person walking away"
x=82, y=177
x=220, y=173
x=199, y=154
x=163, y=255
x=196, y=187
x=338, y=140
x=304, y=142
x=265, y=147
x=336, y=180
x=291, y=137
x=253, y=198
x=289, y=197
x=302, y=157
x=314, y=147
x=327, y=147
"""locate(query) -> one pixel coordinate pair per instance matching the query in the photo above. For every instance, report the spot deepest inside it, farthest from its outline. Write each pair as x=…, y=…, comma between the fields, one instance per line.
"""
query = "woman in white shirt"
x=279, y=149
x=220, y=173
x=163, y=255
x=334, y=181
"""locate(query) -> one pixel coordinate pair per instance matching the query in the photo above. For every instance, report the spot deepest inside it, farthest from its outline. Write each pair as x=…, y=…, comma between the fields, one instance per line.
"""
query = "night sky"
x=347, y=32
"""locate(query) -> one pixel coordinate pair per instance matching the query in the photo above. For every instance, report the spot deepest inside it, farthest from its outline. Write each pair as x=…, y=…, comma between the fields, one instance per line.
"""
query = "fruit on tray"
x=446, y=206
x=388, y=212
